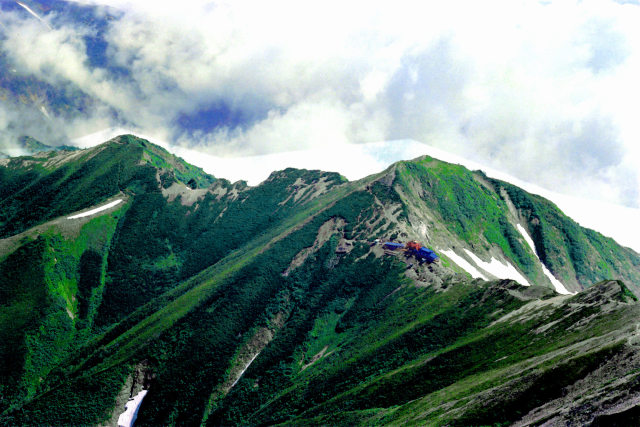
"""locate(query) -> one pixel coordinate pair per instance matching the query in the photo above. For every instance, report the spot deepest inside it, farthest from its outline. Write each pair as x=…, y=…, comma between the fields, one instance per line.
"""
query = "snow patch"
x=96, y=210
x=499, y=269
x=128, y=417
x=464, y=264
x=495, y=267
x=527, y=238
x=560, y=288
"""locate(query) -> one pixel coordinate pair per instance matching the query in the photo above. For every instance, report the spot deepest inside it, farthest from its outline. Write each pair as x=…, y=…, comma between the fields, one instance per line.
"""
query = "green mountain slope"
x=51, y=287
x=456, y=207
x=50, y=184
x=272, y=304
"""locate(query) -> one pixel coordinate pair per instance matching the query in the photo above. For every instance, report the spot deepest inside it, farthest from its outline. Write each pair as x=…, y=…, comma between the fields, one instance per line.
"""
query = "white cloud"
x=544, y=90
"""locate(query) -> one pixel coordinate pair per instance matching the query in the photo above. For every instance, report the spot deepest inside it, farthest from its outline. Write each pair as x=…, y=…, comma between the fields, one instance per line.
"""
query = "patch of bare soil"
x=63, y=157
x=301, y=191
x=188, y=196
x=326, y=230
x=316, y=357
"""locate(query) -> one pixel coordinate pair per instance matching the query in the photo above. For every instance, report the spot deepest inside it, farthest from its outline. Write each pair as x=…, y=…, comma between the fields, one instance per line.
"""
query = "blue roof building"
x=426, y=254
x=392, y=245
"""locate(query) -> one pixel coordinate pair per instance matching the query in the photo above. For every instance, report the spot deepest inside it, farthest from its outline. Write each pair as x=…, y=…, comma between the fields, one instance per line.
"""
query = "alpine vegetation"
x=136, y=288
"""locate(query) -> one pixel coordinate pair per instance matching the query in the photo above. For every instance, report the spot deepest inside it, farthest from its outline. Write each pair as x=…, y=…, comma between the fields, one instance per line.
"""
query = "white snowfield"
x=464, y=264
x=560, y=288
x=499, y=269
x=96, y=210
x=495, y=267
x=128, y=417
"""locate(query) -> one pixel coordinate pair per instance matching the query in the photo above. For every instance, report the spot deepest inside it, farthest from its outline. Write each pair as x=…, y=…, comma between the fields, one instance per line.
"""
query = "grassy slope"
x=51, y=185
x=570, y=251
x=455, y=379
x=160, y=244
x=383, y=336
x=196, y=294
x=473, y=212
x=52, y=311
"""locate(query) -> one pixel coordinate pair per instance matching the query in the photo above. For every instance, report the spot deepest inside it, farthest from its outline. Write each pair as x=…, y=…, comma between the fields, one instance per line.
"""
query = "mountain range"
x=126, y=272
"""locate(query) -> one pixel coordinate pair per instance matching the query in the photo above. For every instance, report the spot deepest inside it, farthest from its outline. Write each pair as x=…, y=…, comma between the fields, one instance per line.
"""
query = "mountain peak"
x=124, y=254
x=169, y=166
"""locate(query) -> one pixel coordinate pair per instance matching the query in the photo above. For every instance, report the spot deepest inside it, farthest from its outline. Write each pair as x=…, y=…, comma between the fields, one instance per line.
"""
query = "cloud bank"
x=546, y=91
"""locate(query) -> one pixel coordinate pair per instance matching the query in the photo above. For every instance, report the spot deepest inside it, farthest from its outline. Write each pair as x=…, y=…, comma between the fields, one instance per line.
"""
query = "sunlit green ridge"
x=237, y=305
